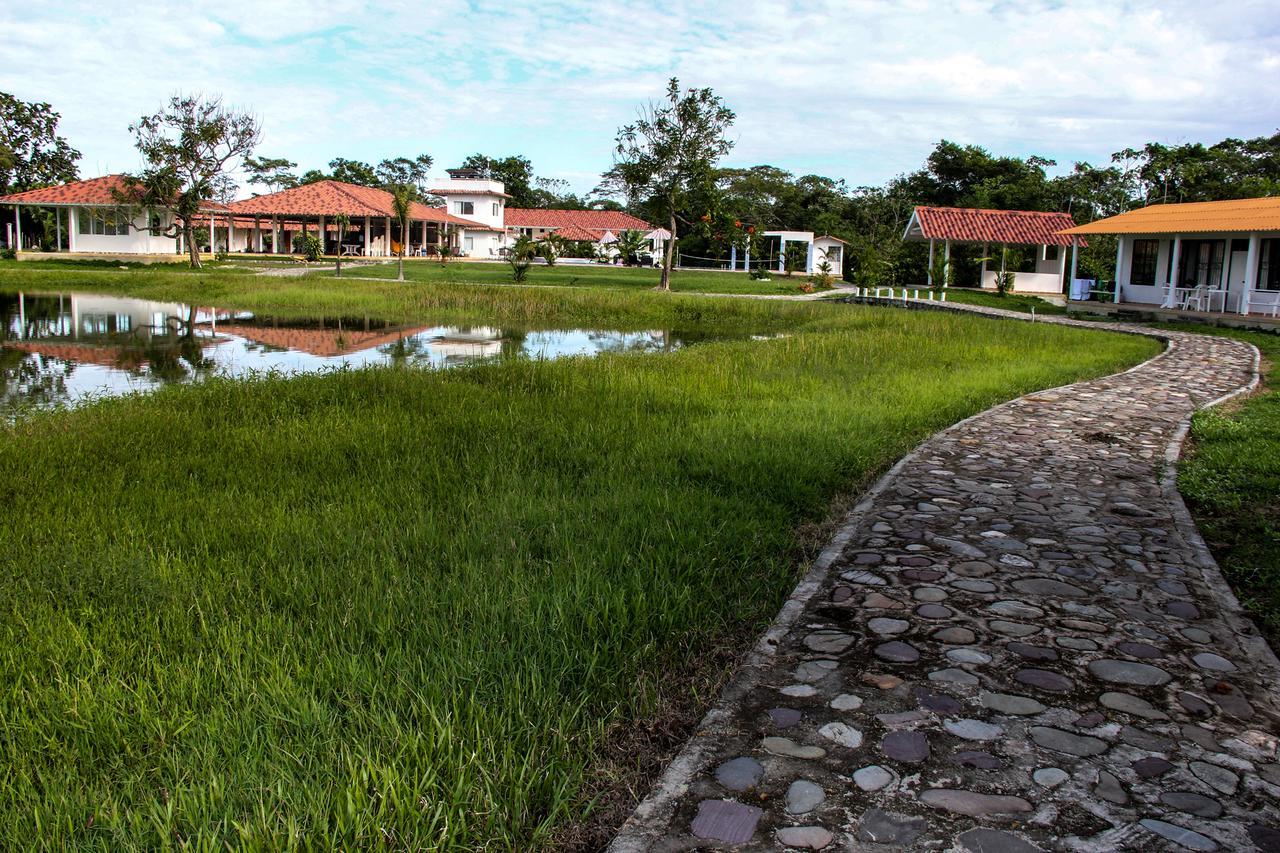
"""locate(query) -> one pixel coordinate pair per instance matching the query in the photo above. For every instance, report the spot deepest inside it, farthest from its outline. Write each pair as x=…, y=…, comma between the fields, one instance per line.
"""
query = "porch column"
x=1075, y=257
x=386, y=237
x=1251, y=271
x=324, y=236
x=746, y=262
x=17, y=227
x=213, y=240
x=782, y=254
x=57, y=219
x=733, y=258
x=1173, y=272
x=982, y=272
x=1062, y=266
x=366, y=236
x=71, y=229
x=929, y=271
x=231, y=232
x=275, y=234
x=1119, y=268
x=946, y=262
x=809, y=260
x=257, y=234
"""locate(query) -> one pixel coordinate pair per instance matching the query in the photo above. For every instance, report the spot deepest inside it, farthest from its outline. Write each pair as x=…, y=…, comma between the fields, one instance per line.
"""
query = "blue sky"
x=857, y=90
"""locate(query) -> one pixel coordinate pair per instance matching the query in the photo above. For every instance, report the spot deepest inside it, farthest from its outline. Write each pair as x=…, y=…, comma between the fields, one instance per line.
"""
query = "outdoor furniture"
x=351, y=249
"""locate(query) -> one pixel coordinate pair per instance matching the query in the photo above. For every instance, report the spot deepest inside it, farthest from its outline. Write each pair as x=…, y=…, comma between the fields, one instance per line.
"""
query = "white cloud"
x=860, y=90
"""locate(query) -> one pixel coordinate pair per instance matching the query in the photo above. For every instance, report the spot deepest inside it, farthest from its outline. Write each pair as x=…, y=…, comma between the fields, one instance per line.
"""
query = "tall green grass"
x=398, y=607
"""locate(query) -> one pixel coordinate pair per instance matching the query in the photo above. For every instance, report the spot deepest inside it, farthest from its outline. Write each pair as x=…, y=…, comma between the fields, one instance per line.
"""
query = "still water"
x=64, y=348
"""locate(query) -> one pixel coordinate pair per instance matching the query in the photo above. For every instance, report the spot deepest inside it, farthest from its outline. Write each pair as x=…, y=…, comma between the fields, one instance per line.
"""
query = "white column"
x=57, y=218
x=323, y=236
x=1173, y=271
x=1075, y=257
x=17, y=226
x=946, y=262
x=366, y=235
x=231, y=230
x=929, y=271
x=782, y=254
x=213, y=242
x=982, y=272
x=71, y=229
x=1251, y=271
x=733, y=258
x=257, y=234
x=746, y=261
x=1062, y=266
x=386, y=239
x=809, y=259
x=1120, y=255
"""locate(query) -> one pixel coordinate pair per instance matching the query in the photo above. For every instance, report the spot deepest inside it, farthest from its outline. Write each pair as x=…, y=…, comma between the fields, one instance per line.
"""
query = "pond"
x=65, y=348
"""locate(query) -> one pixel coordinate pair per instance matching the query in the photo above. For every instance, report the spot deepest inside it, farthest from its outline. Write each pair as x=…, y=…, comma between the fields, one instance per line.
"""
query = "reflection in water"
x=61, y=348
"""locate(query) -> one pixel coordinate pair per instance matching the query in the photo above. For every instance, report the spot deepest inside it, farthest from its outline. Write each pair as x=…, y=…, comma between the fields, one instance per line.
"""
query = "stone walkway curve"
x=1017, y=642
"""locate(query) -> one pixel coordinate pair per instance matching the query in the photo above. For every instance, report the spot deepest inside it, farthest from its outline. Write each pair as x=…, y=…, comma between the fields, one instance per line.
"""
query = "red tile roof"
x=331, y=198
x=577, y=232
x=592, y=220
x=967, y=224
x=326, y=343
x=96, y=191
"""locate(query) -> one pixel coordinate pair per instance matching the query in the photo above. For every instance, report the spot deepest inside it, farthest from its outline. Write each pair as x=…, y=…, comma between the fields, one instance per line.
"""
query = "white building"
x=91, y=218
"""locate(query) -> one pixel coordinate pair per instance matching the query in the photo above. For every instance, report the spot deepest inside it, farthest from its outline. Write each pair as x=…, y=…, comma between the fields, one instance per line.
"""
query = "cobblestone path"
x=1017, y=643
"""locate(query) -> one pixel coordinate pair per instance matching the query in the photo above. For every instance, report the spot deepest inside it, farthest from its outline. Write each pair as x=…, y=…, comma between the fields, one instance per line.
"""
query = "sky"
x=856, y=90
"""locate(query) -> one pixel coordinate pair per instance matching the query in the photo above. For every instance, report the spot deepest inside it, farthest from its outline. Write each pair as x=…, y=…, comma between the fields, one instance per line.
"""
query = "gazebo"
x=1004, y=228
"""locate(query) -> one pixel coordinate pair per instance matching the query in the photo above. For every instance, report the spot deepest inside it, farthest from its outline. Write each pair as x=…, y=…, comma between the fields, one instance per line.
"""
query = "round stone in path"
x=930, y=594
x=1031, y=652
x=828, y=642
x=872, y=778
x=1151, y=767
x=897, y=652
x=725, y=820
x=1015, y=610
x=1047, y=586
x=803, y=797
x=1129, y=704
x=1219, y=778
x=973, y=585
x=1079, y=644
x=984, y=840
x=971, y=656
x=804, y=837
x=845, y=735
x=978, y=760
x=1110, y=789
x=815, y=670
x=906, y=746
x=1182, y=609
x=940, y=702
x=1045, y=679
x=973, y=569
x=1128, y=672
x=953, y=675
x=1188, y=838
x=1066, y=742
x=799, y=691
x=1214, y=662
x=888, y=627
x=1192, y=803
x=955, y=636
x=739, y=774
x=791, y=749
x=973, y=729
x=1050, y=777
x=1007, y=703
x=933, y=611
x=972, y=803
x=1197, y=635
x=881, y=827
x=1013, y=629
x=1193, y=704
x=1139, y=650
x=784, y=718
x=846, y=702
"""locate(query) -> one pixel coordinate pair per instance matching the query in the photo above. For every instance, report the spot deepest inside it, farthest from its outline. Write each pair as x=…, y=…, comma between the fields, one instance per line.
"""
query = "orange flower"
x=737, y=223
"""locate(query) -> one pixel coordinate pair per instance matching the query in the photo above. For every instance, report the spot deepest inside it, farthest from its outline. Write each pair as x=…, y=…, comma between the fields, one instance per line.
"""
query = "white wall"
x=138, y=241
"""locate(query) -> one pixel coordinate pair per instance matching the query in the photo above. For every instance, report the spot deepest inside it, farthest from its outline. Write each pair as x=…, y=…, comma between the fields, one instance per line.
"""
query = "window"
x=1143, y=269
x=471, y=243
x=106, y=222
x=832, y=255
x=1269, y=265
x=464, y=208
x=495, y=208
x=1200, y=262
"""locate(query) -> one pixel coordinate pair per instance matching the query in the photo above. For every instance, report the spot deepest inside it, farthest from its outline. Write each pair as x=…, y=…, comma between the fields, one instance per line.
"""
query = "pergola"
x=1002, y=228
x=370, y=212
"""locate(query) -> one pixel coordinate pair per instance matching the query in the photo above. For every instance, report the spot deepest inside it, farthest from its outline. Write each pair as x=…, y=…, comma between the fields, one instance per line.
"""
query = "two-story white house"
x=469, y=195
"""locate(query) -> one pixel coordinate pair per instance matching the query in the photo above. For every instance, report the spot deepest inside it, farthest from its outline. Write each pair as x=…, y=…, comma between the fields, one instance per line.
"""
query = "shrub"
x=8, y=253
x=307, y=245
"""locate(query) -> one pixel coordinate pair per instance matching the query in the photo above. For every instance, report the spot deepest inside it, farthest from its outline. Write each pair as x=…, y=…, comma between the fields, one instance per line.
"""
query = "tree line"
x=667, y=171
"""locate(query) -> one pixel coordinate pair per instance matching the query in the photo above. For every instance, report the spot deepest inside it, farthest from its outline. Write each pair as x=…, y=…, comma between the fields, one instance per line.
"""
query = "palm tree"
x=629, y=245
x=402, y=198
x=341, y=222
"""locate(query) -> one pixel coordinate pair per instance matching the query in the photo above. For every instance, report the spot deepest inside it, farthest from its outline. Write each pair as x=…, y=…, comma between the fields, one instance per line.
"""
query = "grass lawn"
x=451, y=273
x=420, y=609
x=1011, y=302
x=1231, y=480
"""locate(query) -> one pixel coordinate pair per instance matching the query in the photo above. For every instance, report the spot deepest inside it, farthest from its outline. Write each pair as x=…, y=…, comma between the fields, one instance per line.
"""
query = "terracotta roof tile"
x=95, y=191
x=592, y=220
x=975, y=225
x=1239, y=216
x=331, y=198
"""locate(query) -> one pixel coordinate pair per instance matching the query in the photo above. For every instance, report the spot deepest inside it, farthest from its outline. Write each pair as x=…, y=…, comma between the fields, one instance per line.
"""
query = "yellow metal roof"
x=1241, y=216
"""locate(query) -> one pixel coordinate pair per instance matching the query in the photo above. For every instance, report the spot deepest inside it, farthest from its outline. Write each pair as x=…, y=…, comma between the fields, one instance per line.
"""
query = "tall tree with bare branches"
x=187, y=148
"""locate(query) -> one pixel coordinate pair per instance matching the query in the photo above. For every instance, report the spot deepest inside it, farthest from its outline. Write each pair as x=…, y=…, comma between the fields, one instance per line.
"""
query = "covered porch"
x=1199, y=258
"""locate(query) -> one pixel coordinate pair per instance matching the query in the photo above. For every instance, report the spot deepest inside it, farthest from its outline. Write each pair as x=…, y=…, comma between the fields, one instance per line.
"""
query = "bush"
x=8, y=253
x=307, y=245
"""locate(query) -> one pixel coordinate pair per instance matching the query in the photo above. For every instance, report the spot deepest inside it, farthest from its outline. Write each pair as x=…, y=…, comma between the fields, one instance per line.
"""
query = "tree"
x=630, y=244
x=403, y=171
x=520, y=256
x=795, y=257
x=354, y=172
x=515, y=172
x=187, y=147
x=271, y=172
x=341, y=222
x=669, y=152
x=551, y=247
x=402, y=200
x=32, y=154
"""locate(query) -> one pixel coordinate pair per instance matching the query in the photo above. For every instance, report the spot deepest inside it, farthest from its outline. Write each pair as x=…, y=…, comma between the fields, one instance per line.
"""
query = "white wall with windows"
x=118, y=230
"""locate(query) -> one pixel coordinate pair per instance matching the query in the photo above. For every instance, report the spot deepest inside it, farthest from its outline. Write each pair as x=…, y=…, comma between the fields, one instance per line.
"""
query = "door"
x=1235, y=274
